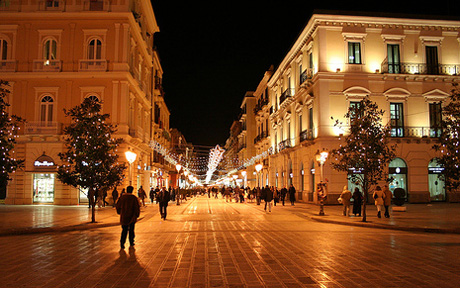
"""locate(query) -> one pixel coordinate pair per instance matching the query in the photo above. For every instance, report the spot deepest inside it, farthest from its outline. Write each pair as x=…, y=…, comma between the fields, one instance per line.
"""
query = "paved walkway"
x=30, y=219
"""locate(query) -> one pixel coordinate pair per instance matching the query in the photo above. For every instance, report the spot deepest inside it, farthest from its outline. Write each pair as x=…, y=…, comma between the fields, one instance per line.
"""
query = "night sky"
x=213, y=52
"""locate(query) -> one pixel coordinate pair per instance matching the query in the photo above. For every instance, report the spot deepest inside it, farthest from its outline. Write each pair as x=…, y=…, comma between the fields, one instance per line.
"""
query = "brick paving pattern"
x=209, y=243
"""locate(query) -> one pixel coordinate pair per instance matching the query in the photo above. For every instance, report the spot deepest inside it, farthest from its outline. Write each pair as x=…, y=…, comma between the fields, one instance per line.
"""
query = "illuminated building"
x=55, y=53
x=405, y=65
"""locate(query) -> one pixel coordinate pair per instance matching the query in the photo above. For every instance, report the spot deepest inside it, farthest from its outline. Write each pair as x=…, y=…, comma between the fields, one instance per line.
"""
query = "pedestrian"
x=258, y=194
x=379, y=197
x=115, y=196
x=292, y=194
x=104, y=196
x=346, y=196
x=283, y=194
x=142, y=195
x=276, y=197
x=357, y=201
x=128, y=208
x=387, y=201
x=163, y=198
x=98, y=197
x=268, y=198
x=152, y=195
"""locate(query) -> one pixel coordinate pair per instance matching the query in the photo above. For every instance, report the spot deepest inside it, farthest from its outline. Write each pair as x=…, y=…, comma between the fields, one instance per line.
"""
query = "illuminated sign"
x=435, y=170
x=43, y=164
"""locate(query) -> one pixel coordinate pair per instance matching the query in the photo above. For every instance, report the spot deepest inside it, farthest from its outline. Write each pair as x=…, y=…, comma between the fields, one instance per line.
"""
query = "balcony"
x=306, y=135
x=92, y=65
x=415, y=132
x=7, y=65
x=43, y=128
x=47, y=65
x=307, y=74
x=420, y=68
x=260, y=137
x=260, y=105
x=284, y=144
x=286, y=94
x=137, y=133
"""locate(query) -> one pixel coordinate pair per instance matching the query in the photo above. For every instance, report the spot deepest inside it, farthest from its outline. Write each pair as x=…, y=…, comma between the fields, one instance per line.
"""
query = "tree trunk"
x=366, y=195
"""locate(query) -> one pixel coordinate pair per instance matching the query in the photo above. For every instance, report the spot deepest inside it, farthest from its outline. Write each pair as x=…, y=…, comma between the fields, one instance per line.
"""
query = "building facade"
x=405, y=65
x=55, y=54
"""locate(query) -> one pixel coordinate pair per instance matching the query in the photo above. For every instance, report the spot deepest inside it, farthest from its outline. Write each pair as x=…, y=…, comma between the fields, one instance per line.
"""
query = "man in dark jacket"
x=163, y=198
x=129, y=209
x=268, y=193
x=292, y=194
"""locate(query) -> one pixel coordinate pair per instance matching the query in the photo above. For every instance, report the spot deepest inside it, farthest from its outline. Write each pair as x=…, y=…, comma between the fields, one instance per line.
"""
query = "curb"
x=388, y=227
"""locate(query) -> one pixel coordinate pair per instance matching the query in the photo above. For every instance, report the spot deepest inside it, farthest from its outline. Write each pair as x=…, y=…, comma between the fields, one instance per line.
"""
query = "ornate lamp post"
x=130, y=157
x=258, y=168
x=321, y=159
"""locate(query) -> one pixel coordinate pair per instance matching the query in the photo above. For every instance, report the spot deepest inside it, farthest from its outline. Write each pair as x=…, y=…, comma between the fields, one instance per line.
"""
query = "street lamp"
x=258, y=168
x=131, y=157
x=178, y=168
x=321, y=159
x=244, y=173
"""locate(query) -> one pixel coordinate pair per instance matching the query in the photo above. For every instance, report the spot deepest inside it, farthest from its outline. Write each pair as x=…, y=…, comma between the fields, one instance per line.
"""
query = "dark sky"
x=213, y=52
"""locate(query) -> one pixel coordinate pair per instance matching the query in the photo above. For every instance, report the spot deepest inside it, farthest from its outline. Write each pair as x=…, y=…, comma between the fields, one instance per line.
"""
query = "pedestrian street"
x=207, y=242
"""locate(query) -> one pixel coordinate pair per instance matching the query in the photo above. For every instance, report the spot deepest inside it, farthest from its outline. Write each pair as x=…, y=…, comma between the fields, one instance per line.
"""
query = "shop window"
x=43, y=188
x=436, y=185
x=398, y=172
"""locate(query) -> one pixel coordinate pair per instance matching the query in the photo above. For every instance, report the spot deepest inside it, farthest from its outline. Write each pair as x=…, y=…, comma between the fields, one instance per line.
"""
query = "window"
x=46, y=110
x=95, y=49
x=432, y=60
x=354, y=110
x=396, y=120
x=354, y=53
x=393, y=59
x=94, y=98
x=435, y=119
x=49, y=50
x=3, y=49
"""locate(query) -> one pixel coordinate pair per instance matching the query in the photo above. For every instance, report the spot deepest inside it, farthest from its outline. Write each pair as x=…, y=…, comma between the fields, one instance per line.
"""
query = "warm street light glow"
x=130, y=156
x=243, y=173
x=258, y=167
x=235, y=176
x=178, y=167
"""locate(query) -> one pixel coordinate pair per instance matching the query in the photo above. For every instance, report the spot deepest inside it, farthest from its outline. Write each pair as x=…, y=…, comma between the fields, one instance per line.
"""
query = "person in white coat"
x=379, y=197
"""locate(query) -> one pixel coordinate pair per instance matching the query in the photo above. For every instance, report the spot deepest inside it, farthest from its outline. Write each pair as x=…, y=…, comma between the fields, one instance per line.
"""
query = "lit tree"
x=366, y=152
x=91, y=161
x=9, y=126
x=449, y=141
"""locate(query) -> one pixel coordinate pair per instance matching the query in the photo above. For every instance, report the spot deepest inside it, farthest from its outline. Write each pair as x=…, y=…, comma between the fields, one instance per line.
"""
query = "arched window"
x=93, y=98
x=46, y=110
x=398, y=171
x=50, y=49
x=3, y=49
x=95, y=49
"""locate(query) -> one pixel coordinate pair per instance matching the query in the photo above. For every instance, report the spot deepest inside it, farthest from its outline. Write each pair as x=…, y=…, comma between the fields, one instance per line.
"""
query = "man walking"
x=129, y=209
x=268, y=198
x=163, y=198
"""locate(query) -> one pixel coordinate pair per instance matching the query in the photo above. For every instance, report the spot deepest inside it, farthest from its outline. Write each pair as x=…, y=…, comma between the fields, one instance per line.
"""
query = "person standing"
x=357, y=202
x=387, y=201
x=292, y=194
x=128, y=208
x=142, y=195
x=346, y=196
x=268, y=198
x=379, y=197
x=152, y=195
x=283, y=194
x=104, y=196
x=115, y=196
x=276, y=197
x=163, y=198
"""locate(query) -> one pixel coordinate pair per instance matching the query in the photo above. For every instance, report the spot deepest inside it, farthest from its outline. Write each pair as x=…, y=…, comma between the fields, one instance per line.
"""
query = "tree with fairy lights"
x=366, y=152
x=9, y=126
x=91, y=161
x=449, y=141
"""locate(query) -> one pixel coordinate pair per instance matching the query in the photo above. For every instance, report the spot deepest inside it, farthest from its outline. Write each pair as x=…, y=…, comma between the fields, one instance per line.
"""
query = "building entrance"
x=436, y=184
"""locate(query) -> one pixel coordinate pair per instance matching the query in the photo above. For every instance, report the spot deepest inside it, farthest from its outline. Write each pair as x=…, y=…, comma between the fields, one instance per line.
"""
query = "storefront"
x=44, y=176
x=398, y=172
x=436, y=184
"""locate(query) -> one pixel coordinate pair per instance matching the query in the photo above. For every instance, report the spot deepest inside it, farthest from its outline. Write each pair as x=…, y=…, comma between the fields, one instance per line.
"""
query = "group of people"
x=258, y=194
x=381, y=198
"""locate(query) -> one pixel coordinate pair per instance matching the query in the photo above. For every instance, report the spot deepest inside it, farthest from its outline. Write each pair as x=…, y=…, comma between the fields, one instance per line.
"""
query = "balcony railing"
x=261, y=136
x=47, y=65
x=92, y=65
x=260, y=105
x=43, y=128
x=307, y=74
x=306, y=135
x=286, y=94
x=284, y=144
x=420, y=68
x=7, y=65
x=416, y=132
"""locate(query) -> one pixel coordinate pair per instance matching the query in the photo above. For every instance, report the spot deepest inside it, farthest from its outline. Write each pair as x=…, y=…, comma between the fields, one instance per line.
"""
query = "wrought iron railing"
x=420, y=68
x=286, y=94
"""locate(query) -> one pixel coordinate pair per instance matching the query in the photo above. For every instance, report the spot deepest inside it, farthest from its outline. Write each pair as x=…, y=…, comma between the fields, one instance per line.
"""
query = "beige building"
x=405, y=65
x=55, y=53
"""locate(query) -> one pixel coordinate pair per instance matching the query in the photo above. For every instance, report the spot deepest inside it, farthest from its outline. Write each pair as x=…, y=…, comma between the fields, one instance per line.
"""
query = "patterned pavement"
x=210, y=243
